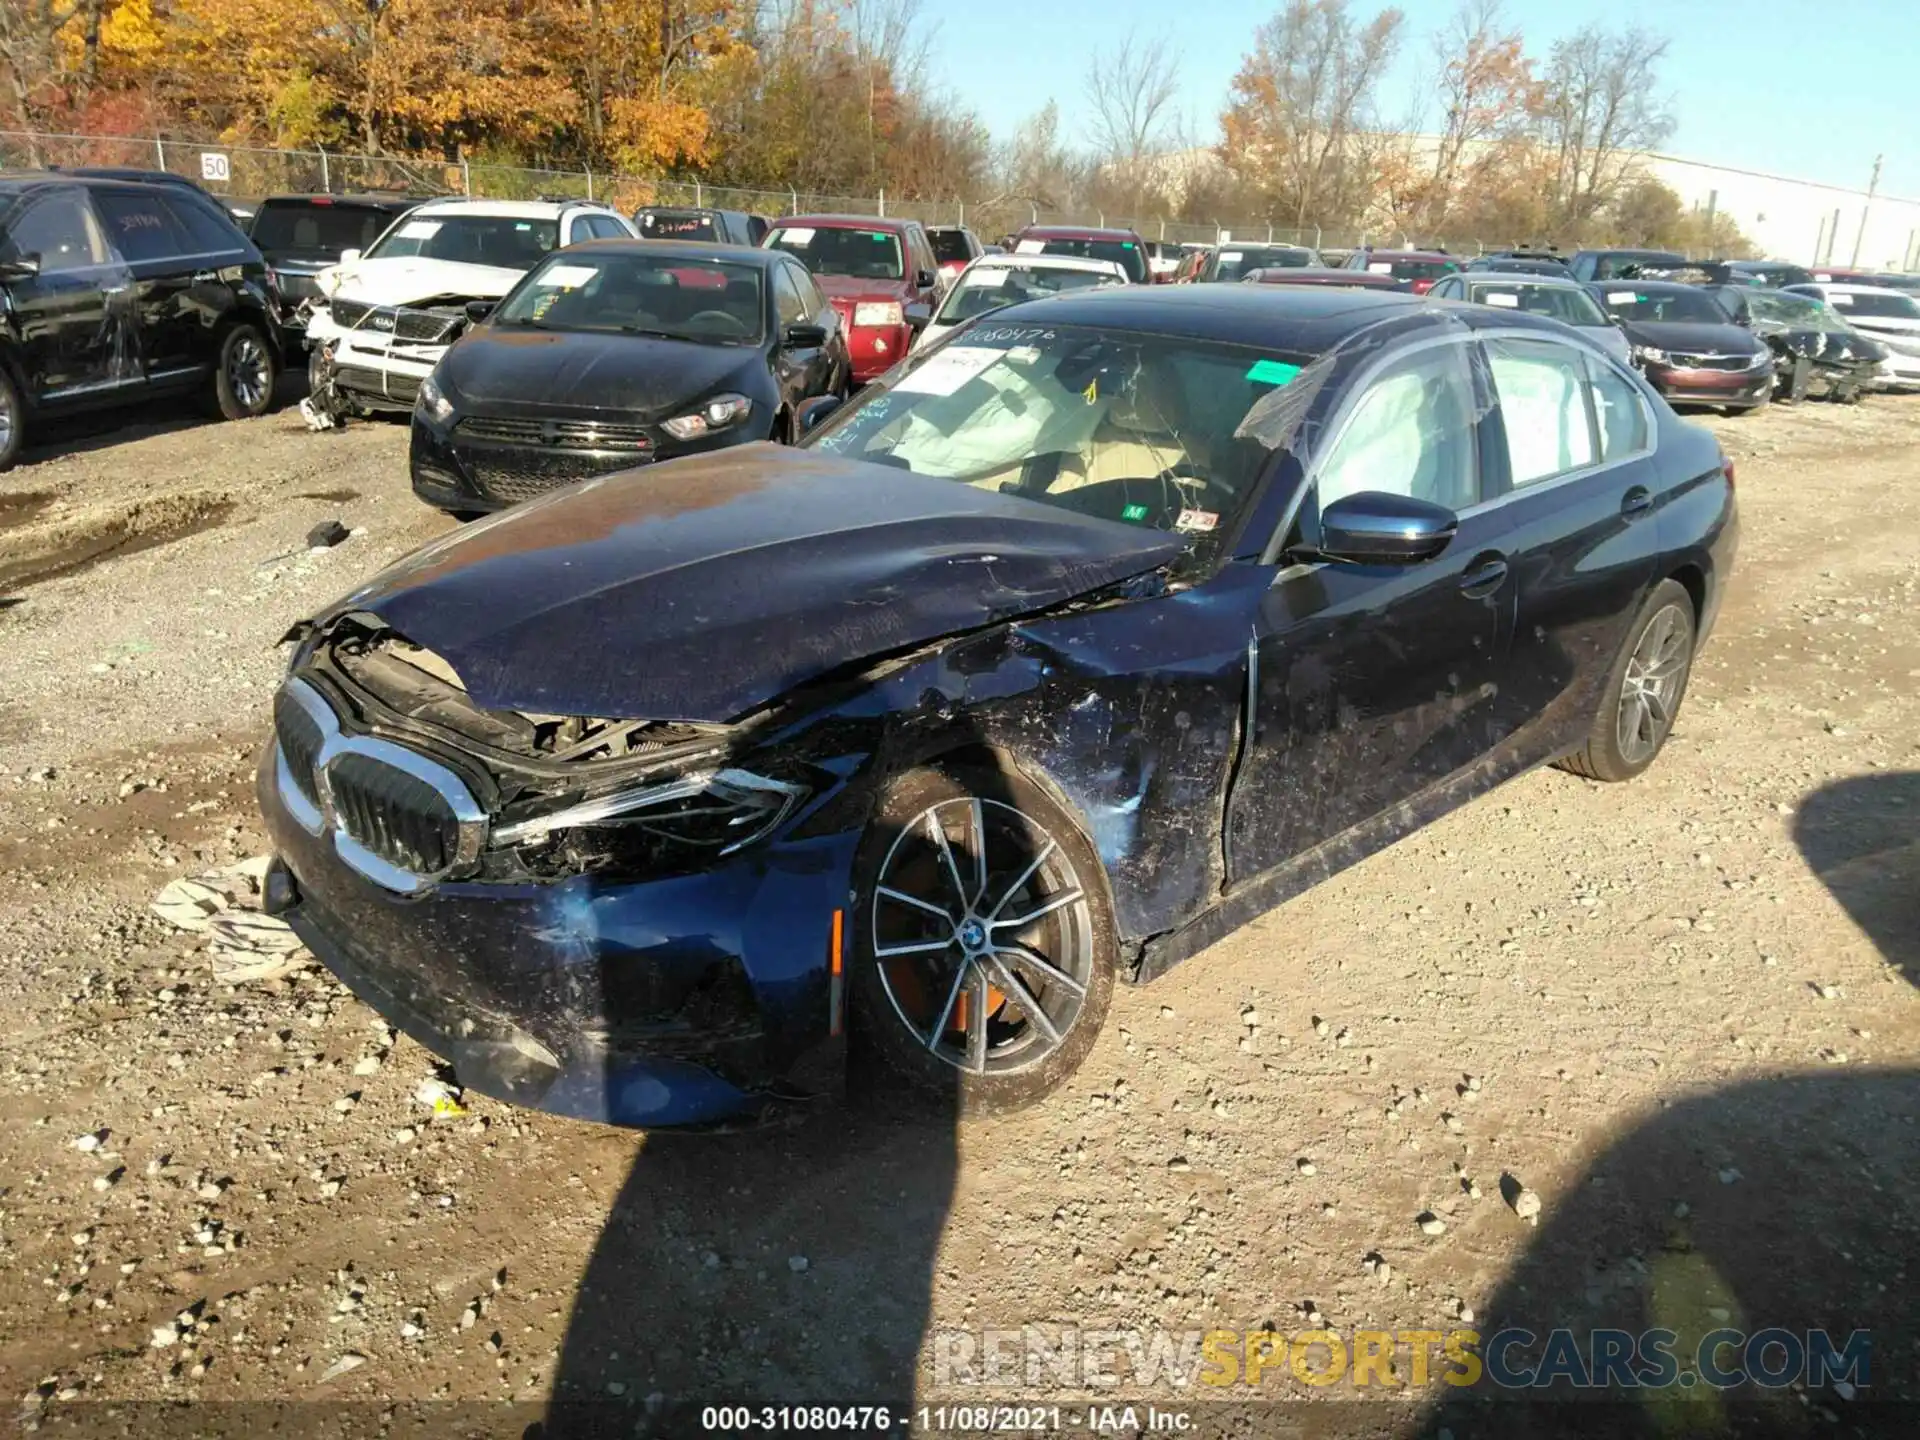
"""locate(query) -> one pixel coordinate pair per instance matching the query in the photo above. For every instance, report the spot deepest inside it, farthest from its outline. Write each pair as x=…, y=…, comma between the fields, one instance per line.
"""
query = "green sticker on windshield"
x=1134, y=512
x=1272, y=372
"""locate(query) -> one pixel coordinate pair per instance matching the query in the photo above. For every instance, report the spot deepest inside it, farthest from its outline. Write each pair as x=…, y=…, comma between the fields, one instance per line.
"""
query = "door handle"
x=1484, y=577
x=1636, y=502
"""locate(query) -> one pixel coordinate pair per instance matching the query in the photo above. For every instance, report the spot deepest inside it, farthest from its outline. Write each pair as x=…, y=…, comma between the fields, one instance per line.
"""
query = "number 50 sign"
x=214, y=166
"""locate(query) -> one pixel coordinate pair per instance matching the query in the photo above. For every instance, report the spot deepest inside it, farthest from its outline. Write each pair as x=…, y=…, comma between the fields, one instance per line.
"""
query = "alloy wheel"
x=1655, y=676
x=983, y=936
x=248, y=371
x=7, y=418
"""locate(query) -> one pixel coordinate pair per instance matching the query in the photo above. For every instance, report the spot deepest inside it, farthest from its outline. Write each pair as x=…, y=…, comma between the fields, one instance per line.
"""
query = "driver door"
x=62, y=311
x=1371, y=683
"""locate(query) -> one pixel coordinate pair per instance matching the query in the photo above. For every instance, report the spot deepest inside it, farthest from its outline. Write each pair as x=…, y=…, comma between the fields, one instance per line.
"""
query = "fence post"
x=160, y=152
x=1316, y=237
x=326, y=181
x=883, y=205
x=589, y=182
x=1033, y=209
x=696, y=195
x=1269, y=232
x=961, y=206
x=793, y=199
x=466, y=178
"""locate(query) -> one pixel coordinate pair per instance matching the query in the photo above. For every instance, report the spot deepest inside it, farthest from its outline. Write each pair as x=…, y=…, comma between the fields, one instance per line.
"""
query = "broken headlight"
x=720, y=413
x=716, y=811
x=1647, y=354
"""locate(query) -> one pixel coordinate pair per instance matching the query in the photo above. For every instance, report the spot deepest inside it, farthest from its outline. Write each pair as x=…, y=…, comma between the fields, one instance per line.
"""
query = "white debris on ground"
x=224, y=905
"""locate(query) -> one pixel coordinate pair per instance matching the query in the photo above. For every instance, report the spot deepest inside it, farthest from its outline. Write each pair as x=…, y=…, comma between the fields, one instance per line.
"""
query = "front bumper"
x=1740, y=389
x=696, y=999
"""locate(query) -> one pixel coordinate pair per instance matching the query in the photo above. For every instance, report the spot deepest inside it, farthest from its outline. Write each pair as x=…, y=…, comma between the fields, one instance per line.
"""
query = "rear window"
x=675, y=225
x=1412, y=269
x=1875, y=307
x=833, y=250
x=1558, y=302
x=1126, y=252
x=318, y=227
x=140, y=226
x=1237, y=261
x=950, y=246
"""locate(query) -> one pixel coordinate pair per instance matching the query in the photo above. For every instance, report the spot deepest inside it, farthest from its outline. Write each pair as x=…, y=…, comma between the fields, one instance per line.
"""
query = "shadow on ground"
x=1785, y=1204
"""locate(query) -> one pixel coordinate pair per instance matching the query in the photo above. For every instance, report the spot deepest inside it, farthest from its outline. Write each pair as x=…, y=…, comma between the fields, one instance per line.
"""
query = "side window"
x=817, y=303
x=1543, y=408
x=786, y=297
x=61, y=231
x=139, y=226
x=1617, y=407
x=206, y=232
x=1411, y=433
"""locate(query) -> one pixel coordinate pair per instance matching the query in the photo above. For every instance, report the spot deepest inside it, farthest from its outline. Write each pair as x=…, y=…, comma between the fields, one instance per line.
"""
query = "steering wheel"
x=728, y=322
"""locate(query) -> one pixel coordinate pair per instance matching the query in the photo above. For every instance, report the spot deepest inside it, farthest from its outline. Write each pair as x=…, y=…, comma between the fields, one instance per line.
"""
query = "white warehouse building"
x=1800, y=220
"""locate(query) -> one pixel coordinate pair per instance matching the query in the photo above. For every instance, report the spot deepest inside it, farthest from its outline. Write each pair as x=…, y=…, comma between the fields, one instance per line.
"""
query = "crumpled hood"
x=635, y=377
x=701, y=589
x=404, y=279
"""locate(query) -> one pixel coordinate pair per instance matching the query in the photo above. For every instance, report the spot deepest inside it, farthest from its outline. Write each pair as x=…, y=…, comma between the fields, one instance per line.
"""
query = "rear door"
x=1372, y=683
x=62, y=313
x=1574, y=472
x=162, y=261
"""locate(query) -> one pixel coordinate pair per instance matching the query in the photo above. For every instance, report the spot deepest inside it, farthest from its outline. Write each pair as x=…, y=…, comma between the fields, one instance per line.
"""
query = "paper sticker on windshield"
x=1233, y=255
x=1621, y=297
x=1135, y=513
x=1272, y=372
x=1505, y=302
x=1196, y=521
x=1023, y=354
x=1378, y=268
x=419, y=229
x=989, y=277
x=1839, y=299
x=565, y=277
x=1030, y=247
x=800, y=236
x=948, y=369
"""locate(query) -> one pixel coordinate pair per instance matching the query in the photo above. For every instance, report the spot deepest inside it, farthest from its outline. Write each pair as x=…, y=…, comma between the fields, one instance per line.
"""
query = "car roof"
x=321, y=197
x=1075, y=232
x=507, y=209
x=1656, y=287
x=839, y=222
x=689, y=250
x=1852, y=287
x=1010, y=260
x=1377, y=250
x=1302, y=319
x=1521, y=277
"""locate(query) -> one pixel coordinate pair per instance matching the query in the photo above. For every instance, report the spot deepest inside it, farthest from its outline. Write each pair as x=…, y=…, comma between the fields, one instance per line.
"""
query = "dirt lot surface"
x=1680, y=1012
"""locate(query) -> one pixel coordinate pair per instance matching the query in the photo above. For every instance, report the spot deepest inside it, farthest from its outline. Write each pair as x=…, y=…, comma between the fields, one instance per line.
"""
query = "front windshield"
x=713, y=302
x=1136, y=429
x=986, y=288
x=1690, y=307
x=1875, y=307
x=834, y=250
x=1237, y=261
x=1124, y=251
x=503, y=241
x=1795, y=310
x=1559, y=302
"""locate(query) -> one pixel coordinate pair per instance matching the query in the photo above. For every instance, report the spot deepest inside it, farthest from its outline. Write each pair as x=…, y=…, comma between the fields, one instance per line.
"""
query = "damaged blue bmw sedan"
x=1082, y=639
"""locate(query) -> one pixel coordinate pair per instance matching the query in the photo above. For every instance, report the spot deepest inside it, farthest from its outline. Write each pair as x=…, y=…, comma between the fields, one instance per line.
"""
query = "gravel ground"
x=1680, y=1013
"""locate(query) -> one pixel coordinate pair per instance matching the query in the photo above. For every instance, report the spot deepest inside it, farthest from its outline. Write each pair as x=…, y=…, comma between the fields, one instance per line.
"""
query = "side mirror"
x=347, y=257
x=1374, y=528
x=923, y=278
x=804, y=337
x=813, y=412
x=918, y=316
x=21, y=267
x=478, y=310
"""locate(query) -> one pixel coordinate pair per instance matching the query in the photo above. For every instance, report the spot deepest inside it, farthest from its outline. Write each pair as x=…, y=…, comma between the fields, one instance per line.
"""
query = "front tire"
x=983, y=953
x=13, y=420
x=1644, y=690
x=244, y=376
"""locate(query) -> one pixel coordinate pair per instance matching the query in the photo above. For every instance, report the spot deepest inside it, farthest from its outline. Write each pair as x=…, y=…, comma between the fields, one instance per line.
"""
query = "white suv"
x=385, y=316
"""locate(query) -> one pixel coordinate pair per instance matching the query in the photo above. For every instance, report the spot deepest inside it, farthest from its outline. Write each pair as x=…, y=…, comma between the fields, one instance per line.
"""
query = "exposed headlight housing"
x=878, y=313
x=720, y=811
x=722, y=412
x=433, y=402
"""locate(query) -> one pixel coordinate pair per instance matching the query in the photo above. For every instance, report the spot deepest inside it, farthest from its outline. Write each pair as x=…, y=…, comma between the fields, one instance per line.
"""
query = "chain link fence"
x=239, y=172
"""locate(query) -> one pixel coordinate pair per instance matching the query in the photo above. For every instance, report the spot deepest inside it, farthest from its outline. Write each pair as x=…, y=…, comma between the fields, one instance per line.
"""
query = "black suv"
x=301, y=235
x=681, y=222
x=112, y=292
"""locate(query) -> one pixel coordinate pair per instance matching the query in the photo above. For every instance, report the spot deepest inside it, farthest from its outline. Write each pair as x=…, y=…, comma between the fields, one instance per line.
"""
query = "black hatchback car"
x=619, y=352
x=1070, y=646
x=113, y=292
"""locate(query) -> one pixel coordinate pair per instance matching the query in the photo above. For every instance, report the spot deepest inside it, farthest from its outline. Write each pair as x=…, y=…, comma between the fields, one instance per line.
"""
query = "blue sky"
x=1813, y=90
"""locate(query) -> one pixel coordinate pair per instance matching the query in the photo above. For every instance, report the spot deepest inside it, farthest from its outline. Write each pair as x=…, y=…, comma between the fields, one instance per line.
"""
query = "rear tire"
x=13, y=420
x=1012, y=1010
x=244, y=374
x=1644, y=690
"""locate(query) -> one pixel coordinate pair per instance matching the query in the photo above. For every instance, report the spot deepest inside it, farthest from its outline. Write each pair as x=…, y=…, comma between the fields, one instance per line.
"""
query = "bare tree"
x=1487, y=97
x=1601, y=109
x=1130, y=91
x=1299, y=103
